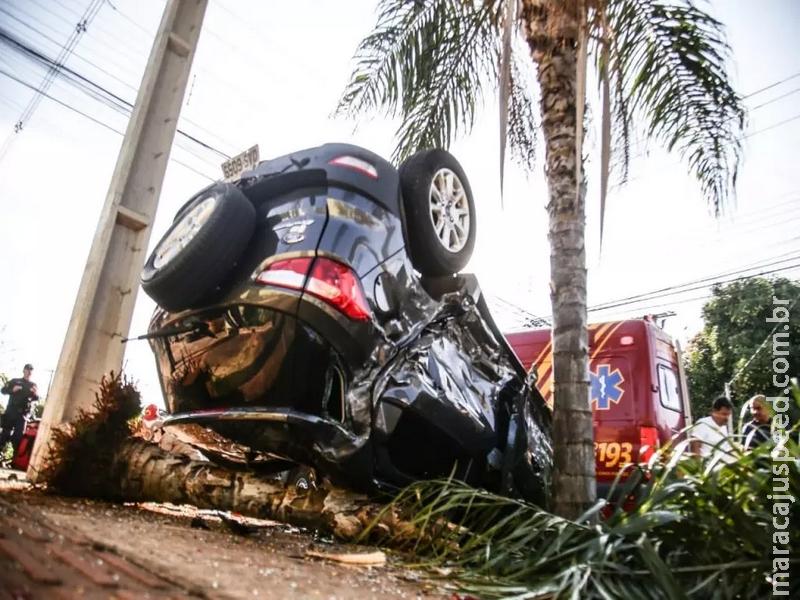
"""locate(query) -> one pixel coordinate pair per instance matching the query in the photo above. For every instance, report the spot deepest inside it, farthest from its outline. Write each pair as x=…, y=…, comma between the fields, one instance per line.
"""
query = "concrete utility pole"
x=104, y=307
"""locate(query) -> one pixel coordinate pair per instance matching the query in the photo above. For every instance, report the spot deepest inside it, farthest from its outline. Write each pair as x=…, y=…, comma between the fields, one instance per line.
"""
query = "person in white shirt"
x=712, y=431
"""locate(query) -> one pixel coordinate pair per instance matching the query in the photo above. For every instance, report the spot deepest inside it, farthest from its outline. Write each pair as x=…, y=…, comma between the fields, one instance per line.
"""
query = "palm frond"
x=523, y=116
x=702, y=530
x=509, y=22
x=428, y=63
x=668, y=64
x=605, y=143
x=379, y=77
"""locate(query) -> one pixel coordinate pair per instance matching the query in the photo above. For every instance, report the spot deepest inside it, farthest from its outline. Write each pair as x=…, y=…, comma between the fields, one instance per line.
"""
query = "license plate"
x=232, y=169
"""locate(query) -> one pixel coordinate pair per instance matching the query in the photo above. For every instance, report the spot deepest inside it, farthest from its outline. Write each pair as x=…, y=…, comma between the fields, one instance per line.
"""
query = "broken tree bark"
x=99, y=456
x=143, y=472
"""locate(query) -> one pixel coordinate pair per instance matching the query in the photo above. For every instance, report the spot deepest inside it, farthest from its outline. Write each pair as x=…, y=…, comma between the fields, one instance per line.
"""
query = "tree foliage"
x=662, y=65
x=736, y=342
x=429, y=63
x=703, y=530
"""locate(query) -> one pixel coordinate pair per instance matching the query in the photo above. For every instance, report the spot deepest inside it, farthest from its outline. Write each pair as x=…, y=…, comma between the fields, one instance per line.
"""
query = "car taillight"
x=357, y=164
x=329, y=280
x=648, y=437
x=289, y=273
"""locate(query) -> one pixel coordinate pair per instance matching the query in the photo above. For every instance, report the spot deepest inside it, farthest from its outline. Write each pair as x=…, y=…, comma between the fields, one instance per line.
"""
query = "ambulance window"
x=668, y=389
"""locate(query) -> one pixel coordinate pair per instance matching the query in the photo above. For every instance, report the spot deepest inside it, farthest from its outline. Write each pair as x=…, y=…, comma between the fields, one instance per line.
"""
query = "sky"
x=270, y=73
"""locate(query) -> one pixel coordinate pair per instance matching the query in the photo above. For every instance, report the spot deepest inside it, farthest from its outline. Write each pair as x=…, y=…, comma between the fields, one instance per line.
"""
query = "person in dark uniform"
x=22, y=392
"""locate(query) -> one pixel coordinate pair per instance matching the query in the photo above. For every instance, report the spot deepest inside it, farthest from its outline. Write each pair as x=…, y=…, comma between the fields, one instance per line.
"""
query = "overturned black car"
x=310, y=312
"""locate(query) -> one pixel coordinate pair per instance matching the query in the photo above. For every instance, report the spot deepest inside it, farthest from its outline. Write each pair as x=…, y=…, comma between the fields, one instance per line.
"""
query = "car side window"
x=668, y=389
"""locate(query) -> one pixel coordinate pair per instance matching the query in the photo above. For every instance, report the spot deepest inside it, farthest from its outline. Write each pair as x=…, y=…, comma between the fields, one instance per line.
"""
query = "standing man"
x=22, y=392
x=757, y=431
x=710, y=434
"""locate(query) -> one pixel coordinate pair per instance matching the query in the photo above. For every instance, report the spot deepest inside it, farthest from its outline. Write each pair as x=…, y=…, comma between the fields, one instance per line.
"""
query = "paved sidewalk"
x=40, y=560
x=59, y=547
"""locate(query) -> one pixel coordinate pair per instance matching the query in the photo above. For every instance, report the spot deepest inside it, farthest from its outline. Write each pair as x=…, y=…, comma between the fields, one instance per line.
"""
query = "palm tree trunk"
x=141, y=471
x=552, y=36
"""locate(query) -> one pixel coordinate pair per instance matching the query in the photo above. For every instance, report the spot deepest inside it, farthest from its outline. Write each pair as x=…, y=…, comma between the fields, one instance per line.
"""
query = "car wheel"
x=439, y=212
x=199, y=248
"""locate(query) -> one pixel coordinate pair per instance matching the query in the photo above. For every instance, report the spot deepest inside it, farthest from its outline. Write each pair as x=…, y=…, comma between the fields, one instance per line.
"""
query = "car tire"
x=440, y=219
x=199, y=248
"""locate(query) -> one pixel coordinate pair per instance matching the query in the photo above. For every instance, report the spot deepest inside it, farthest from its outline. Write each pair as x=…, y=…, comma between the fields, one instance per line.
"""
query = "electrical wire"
x=100, y=92
x=122, y=110
x=771, y=85
x=705, y=281
x=95, y=66
x=227, y=10
x=673, y=303
x=224, y=40
x=781, y=97
x=684, y=288
x=532, y=319
x=67, y=48
x=641, y=141
x=97, y=121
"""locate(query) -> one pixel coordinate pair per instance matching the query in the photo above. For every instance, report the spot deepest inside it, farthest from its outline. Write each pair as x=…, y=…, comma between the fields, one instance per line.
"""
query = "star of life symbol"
x=606, y=387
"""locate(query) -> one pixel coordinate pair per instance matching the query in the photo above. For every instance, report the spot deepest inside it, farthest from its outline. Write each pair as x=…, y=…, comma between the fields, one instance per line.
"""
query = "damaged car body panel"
x=457, y=396
x=320, y=343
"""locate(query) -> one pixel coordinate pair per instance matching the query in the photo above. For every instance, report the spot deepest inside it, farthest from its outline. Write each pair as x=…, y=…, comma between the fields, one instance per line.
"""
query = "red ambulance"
x=639, y=394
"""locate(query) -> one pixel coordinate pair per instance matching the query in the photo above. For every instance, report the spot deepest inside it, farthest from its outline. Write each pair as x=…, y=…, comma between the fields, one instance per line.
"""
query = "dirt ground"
x=91, y=549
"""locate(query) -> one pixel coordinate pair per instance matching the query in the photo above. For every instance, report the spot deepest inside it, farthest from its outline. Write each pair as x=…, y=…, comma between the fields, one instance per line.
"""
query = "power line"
x=771, y=85
x=762, y=105
x=58, y=63
x=690, y=285
x=762, y=130
x=672, y=303
x=95, y=66
x=80, y=28
x=745, y=228
x=781, y=97
x=57, y=101
x=131, y=21
x=108, y=95
x=119, y=107
x=42, y=24
x=739, y=139
x=227, y=84
x=101, y=93
x=259, y=35
x=530, y=318
x=664, y=292
x=625, y=313
x=97, y=121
